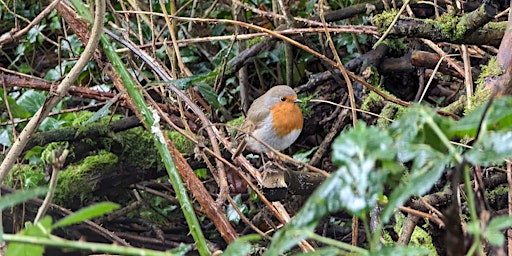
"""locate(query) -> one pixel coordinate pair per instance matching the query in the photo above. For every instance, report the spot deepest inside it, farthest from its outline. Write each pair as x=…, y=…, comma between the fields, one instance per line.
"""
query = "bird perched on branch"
x=274, y=118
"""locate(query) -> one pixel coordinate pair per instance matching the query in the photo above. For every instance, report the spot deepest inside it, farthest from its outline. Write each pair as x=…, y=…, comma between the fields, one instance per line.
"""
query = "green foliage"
x=21, y=196
x=86, y=213
x=368, y=160
x=39, y=229
x=36, y=233
x=232, y=214
x=241, y=246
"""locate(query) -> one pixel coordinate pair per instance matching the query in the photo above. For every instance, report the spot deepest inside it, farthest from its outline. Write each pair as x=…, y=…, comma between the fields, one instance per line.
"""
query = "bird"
x=274, y=118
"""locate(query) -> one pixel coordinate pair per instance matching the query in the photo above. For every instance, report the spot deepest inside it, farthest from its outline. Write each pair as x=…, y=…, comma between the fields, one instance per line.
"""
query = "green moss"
x=419, y=237
x=305, y=107
x=491, y=69
x=233, y=124
x=184, y=145
x=384, y=19
x=480, y=97
x=390, y=111
x=81, y=117
x=139, y=149
x=396, y=45
x=497, y=197
x=448, y=25
x=77, y=183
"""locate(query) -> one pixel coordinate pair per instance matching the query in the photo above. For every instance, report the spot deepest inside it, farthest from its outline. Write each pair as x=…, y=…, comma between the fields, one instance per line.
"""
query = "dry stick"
x=8, y=106
x=430, y=79
x=35, y=21
x=212, y=132
x=56, y=166
x=339, y=65
x=468, y=80
x=407, y=229
x=54, y=97
x=441, y=53
x=355, y=29
x=245, y=220
x=223, y=185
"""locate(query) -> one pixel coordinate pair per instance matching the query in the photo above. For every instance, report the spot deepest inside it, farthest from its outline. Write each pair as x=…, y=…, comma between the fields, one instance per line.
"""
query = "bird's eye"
x=282, y=99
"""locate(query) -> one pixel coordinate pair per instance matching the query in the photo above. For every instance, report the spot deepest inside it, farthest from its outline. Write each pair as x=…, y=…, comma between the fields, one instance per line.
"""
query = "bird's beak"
x=297, y=101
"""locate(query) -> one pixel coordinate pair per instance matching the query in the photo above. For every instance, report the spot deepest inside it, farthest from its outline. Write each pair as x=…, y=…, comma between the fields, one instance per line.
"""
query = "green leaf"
x=498, y=117
x=231, y=213
x=20, y=196
x=493, y=231
x=303, y=155
x=359, y=152
x=241, y=246
x=412, y=128
x=201, y=173
x=33, y=33
x=86, y=214
x=490, y=148
x=103, y=111
x=40, y=229
x=426, y=169
x=31, y=100
x=209, y=94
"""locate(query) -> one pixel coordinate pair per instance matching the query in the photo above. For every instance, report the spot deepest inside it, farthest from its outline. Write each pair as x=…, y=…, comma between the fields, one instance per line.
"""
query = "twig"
x=58, y=160
x=5, y=38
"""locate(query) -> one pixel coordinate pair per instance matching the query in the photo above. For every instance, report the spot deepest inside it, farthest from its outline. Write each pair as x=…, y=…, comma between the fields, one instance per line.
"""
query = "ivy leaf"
x=232, y=214
x=490, y=148
x=31, y=100
x=209, y=94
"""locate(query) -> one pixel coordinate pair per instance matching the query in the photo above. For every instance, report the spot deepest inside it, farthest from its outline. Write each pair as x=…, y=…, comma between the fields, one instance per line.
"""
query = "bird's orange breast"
x=286, y=117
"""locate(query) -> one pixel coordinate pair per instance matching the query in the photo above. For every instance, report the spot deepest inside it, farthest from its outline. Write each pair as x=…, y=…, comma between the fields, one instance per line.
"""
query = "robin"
x=274, y=118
